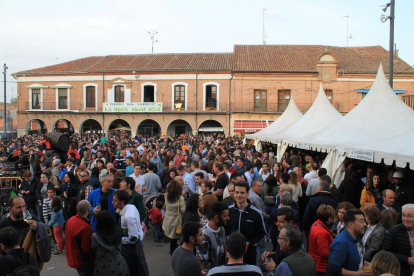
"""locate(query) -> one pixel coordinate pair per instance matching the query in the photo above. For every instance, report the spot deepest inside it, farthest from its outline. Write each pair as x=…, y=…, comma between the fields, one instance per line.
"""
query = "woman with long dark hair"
x=194, y=210
x=172, y=173
x=106, y=243
x=372, y=193
x=70, y=193
x=174, y=209
x=57, y=222
x=41, y=192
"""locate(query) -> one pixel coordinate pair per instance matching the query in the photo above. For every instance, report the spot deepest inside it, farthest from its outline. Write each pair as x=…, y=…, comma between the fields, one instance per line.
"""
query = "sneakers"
x=59, y=252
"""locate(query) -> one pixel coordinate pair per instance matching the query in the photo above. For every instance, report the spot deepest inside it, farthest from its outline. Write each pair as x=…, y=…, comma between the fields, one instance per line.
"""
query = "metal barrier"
x=10, y=181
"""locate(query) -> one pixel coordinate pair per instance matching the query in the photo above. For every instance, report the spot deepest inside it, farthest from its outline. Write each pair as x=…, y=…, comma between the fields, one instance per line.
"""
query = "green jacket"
x=137, y=200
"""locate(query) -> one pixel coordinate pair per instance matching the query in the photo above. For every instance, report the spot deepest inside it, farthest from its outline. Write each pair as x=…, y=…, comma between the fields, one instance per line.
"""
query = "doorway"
x=179, y=130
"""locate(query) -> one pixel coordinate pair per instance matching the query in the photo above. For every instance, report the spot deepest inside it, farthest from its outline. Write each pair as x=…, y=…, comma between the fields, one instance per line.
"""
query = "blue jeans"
x=39, y=210
x=260, y=250
x=157, y=227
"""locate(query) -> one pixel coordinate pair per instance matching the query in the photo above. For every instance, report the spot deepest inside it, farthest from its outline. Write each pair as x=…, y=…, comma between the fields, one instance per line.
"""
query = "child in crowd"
x=57, y=222
x=156, y=218
x=47, y=205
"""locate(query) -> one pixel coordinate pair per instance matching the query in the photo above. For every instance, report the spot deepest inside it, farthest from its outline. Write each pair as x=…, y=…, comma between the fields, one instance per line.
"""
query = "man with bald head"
x=388, y=197
x=78, y=243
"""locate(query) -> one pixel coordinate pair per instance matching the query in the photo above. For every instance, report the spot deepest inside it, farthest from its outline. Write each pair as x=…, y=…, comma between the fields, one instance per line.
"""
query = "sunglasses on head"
x=81, y=175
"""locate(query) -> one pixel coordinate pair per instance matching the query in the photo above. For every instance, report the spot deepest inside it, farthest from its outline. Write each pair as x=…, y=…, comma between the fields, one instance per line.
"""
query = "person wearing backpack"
x=15, y=260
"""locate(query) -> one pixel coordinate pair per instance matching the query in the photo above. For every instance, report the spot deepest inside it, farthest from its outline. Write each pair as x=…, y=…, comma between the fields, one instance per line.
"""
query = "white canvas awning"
x=321, y=115
x=379, y=127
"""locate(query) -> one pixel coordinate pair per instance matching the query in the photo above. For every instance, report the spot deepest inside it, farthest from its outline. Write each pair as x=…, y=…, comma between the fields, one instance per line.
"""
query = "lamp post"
x=383, y=19
x=5, y=106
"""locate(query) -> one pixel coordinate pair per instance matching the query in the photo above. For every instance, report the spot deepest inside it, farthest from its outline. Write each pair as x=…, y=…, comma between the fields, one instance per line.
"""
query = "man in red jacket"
x=79, y=232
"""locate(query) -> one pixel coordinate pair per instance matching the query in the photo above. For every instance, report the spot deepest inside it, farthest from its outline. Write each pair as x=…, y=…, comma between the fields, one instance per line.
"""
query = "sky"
x=40, y=33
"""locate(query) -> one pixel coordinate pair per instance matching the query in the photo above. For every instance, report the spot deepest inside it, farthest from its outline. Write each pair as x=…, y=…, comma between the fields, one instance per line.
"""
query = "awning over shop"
x=396, y=91
x=250, y=125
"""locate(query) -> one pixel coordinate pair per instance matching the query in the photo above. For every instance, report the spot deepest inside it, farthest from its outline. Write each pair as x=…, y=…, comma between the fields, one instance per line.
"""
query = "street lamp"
x=383, y=19
x=5, y=106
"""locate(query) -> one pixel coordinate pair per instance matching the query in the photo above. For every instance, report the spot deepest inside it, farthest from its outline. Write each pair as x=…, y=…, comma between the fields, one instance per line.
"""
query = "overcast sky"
x=41, y=33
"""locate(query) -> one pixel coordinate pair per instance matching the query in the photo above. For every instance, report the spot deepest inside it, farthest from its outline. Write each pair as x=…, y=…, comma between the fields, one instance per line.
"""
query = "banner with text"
x=132, y=107
x=365, y=155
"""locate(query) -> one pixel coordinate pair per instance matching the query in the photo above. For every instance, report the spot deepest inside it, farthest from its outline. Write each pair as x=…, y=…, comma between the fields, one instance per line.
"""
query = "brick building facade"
x=235, y=93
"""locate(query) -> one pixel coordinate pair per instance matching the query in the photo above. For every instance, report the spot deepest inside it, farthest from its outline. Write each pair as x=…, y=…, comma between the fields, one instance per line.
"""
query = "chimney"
x=396, y=53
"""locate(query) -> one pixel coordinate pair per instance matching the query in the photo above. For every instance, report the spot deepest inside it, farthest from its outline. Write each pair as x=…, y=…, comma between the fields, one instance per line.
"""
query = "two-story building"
x=234, y=93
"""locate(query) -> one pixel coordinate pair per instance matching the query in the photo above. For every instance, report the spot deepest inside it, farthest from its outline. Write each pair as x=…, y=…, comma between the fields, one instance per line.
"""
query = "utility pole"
x=391, y=51
x=152, y=34
x=347, y=35
x=264, y=34
x=5, y=99
x=383, y=19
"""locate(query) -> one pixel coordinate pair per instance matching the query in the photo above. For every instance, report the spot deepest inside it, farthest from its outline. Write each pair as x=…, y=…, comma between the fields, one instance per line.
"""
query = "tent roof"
x=380, y=116
x=321, y=115
x=399, y=148
x=291, y=115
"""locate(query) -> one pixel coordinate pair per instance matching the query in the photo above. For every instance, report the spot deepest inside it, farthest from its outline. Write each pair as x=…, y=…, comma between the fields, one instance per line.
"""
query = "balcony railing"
x=166, y=107
x=409, y=100
x=179, y=107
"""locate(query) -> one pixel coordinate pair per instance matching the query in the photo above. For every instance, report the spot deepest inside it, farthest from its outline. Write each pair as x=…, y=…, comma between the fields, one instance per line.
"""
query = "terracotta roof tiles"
x=246, y=58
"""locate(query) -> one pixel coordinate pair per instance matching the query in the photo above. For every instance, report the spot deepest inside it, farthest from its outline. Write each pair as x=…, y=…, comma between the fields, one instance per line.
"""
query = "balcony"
x=168, y=107
x=268, y=107
x=134, y=107
x=409, y=100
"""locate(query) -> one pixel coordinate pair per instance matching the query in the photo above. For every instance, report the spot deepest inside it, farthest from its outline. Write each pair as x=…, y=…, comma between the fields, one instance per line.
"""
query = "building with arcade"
x=233, y=93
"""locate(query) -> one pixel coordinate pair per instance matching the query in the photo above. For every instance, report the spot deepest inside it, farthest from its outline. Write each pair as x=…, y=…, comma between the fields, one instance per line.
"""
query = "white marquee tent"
x=380, y=127
x=291, y=115
x=321, y=115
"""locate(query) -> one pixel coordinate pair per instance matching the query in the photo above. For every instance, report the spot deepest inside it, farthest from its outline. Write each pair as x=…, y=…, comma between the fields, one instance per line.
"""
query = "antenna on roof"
x=264, y=34
x=348, y=36
x=152, y=34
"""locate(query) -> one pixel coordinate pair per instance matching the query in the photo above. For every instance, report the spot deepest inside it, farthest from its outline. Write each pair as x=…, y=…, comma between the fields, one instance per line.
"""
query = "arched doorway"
x=148, y=127
x=36, y=126
x=120, y=127
x=63, y=125
x=210, y=126
x=90, y=126
x=179, y=127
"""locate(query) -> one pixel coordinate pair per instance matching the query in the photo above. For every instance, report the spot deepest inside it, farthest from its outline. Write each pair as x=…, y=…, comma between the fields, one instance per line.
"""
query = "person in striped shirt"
x=47, y=205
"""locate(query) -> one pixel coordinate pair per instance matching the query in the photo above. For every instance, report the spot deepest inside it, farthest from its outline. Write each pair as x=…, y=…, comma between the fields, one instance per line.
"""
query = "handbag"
x=178, y=229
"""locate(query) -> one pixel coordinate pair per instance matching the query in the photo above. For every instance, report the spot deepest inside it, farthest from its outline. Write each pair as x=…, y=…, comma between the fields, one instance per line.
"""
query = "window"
x=179, y=95
x=283, y=99
x=35, y=98
x=62, y=98
x=211, y=96
x=90, y=97
x=329, y=95
x=149, y=94
x=260, y=99
x=119, y=94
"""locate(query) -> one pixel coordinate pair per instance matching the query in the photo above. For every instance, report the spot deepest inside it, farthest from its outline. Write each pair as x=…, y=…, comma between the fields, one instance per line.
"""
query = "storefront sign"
x=132, y=107
x=365, y=155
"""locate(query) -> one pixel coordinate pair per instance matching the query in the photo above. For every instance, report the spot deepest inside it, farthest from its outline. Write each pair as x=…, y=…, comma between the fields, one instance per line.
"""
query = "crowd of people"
x=217, y=201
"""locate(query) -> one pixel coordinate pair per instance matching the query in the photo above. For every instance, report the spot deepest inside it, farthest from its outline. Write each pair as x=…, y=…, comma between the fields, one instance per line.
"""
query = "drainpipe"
x=103, y=100
x=196, y=102
x=231, y=78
